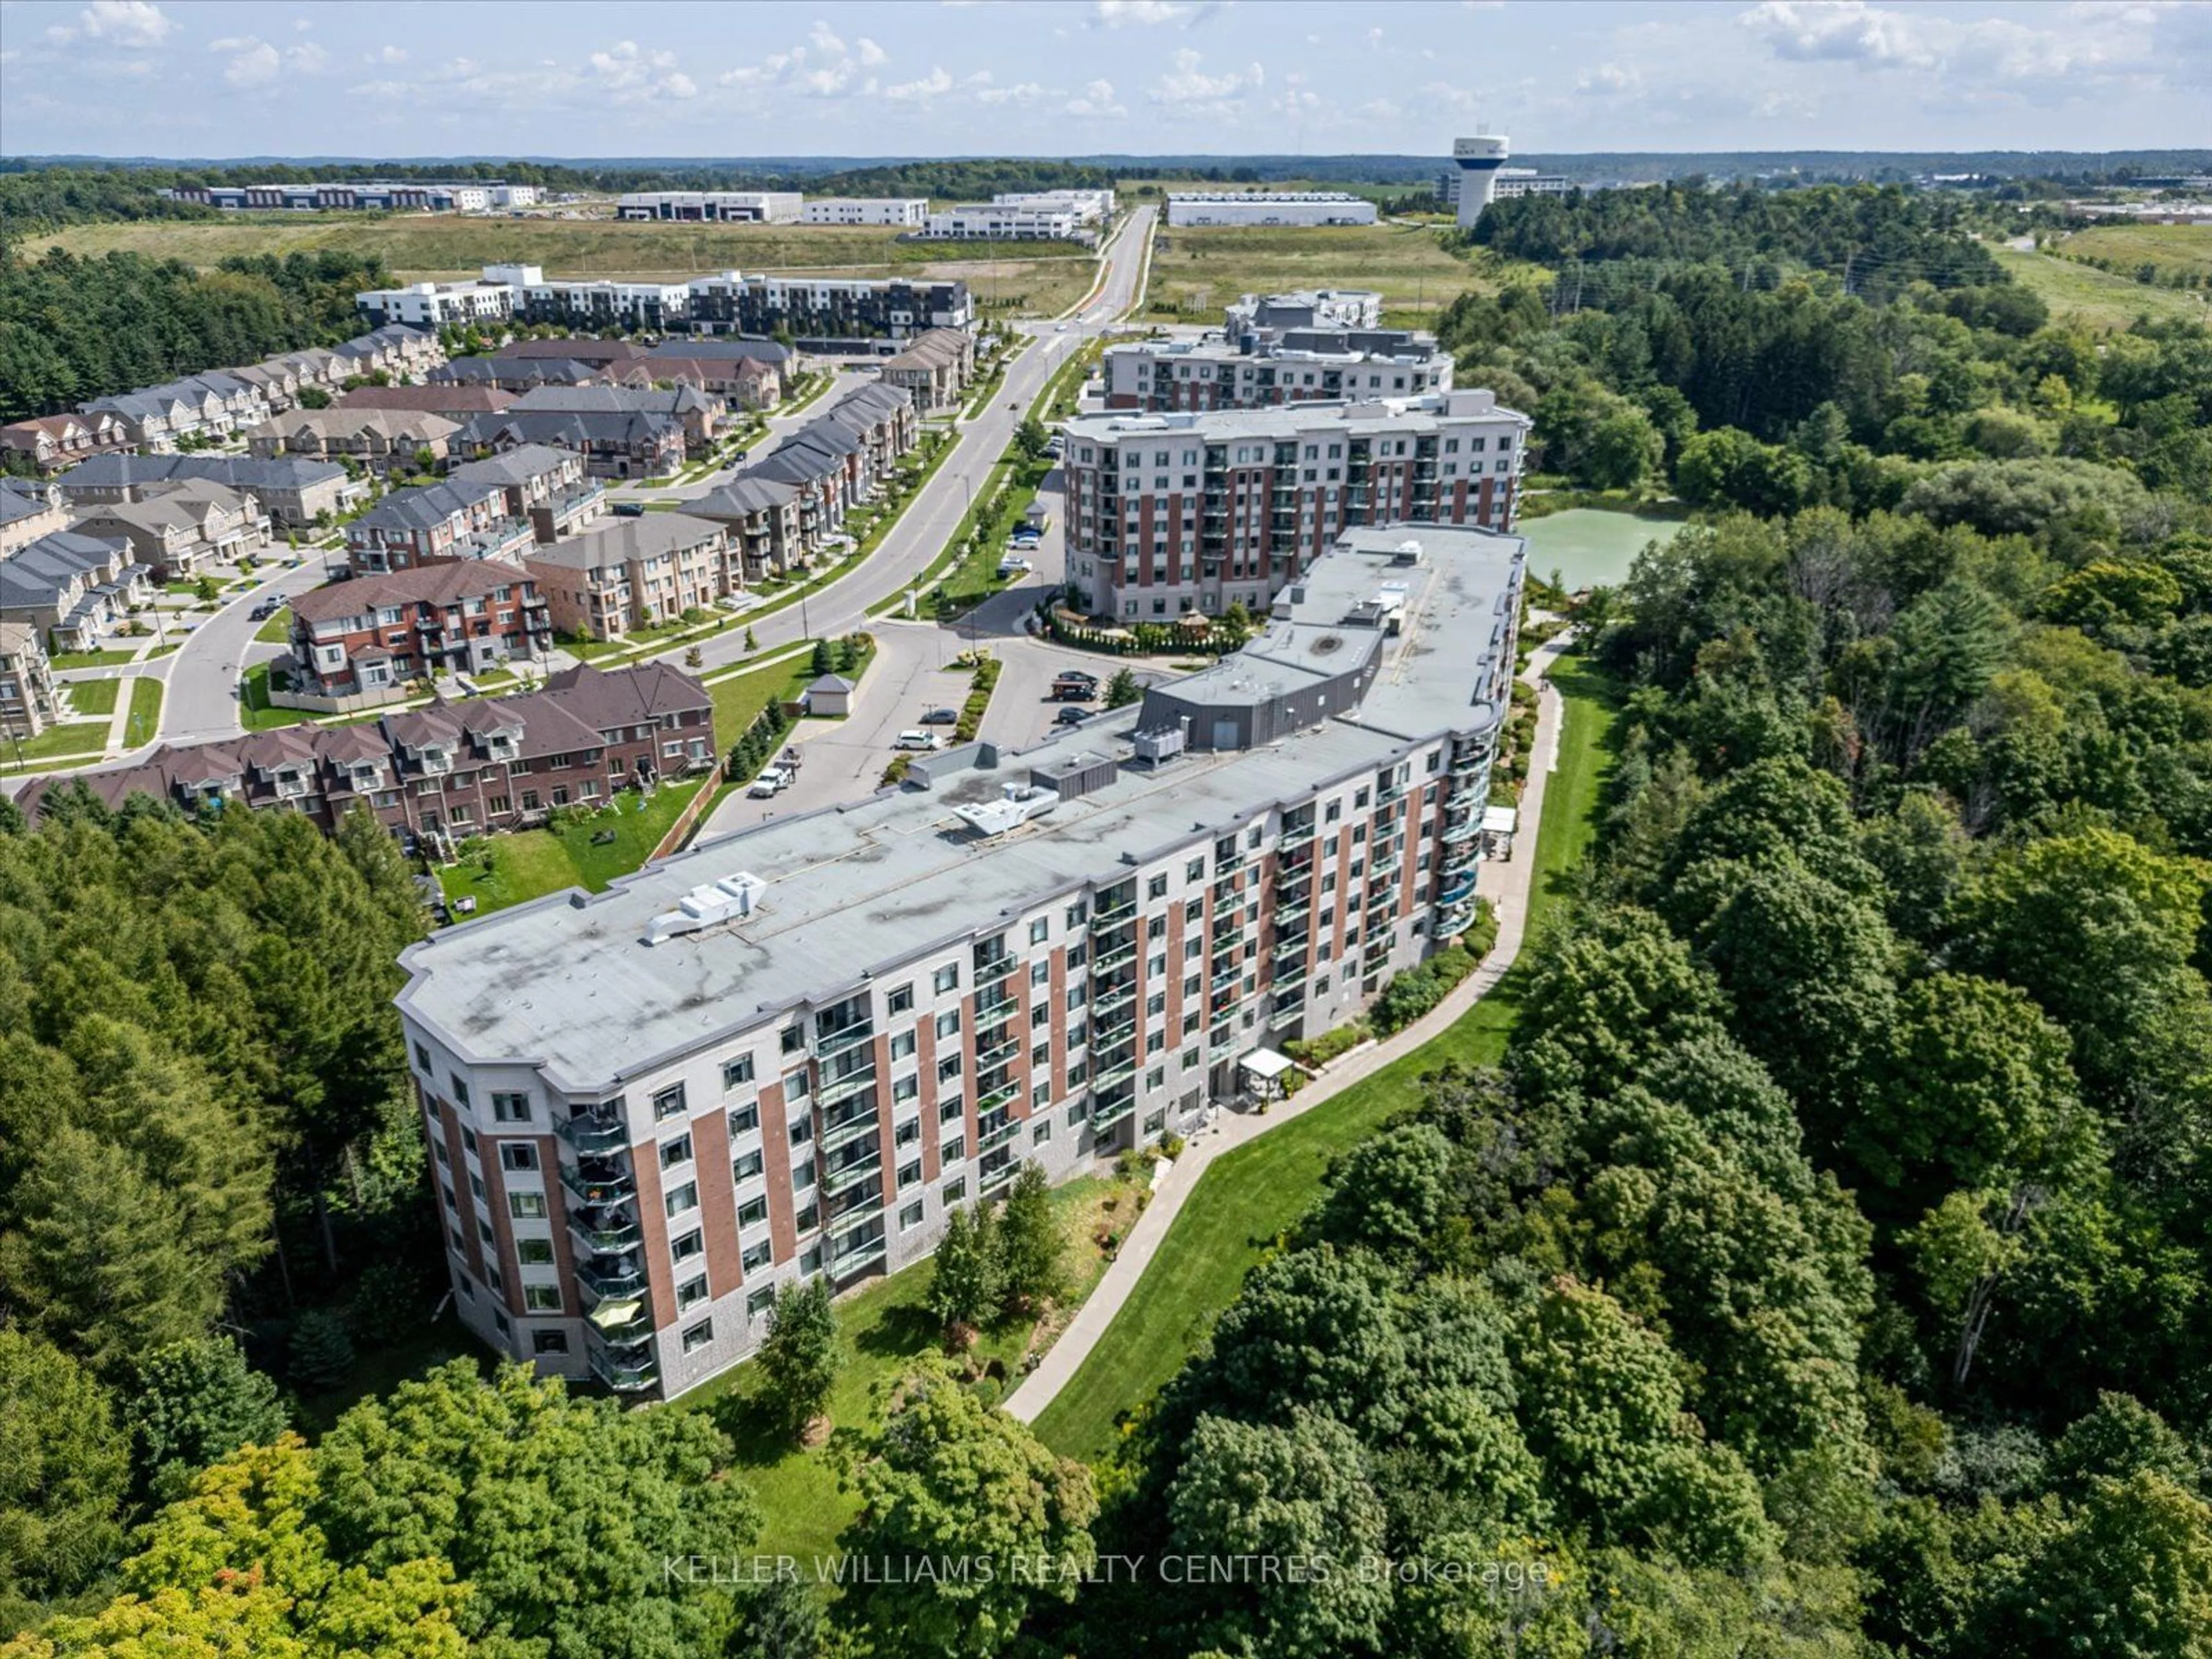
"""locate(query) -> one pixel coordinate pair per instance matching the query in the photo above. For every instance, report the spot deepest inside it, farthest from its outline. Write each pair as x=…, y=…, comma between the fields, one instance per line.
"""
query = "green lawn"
x=529, y=864
x=145, y=717
x=739, y=699
x=94, y=697
x=278, y=628
x=90, y=659
x=55, y=743
x=1248, y=1197
x=881, y=1329
x=254, y=712
x=2097, y=299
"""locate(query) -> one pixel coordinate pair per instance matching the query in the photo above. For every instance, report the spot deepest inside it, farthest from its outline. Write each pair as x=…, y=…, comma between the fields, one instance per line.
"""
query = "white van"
x=917, y=740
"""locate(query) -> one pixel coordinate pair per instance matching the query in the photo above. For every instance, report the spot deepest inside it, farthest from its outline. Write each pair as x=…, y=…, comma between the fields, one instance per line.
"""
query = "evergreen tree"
x=798, y=1357
x=195, y=1402
x=1031, y=1247
x=965, y=1275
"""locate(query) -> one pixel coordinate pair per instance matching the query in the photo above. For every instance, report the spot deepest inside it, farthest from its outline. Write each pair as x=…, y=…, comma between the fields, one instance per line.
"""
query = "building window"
x=461, y=1089
x=690, y=1244
x=698, y=1336
x=946, y=978
x=683, y=1198
x=549, y=1342
x=675, y=1151
x=744, y=1120
x=948, y=1024
x=534, y=1252
x=1040, y=1132
x=745, y=1166
x=759, y=1301
x=668, y=1103
x=541, y=1298
x=691, y=1292
x=758, y=1257
x=910, y=1217
x=1039, y=931
x=901, y=1000
x=752, y=1212
x=526, y=1206
x=801, y=1130
x=516, y=1155
x=736, y=1072
x=510, y=1109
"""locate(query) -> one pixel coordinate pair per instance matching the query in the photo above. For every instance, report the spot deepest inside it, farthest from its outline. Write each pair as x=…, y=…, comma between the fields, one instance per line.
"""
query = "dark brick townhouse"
x=377, y=633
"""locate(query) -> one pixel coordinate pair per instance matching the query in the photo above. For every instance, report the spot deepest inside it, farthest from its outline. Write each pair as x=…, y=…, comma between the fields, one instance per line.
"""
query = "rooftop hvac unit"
x=707, y=906
x=1157, y=747
x=1017, y=805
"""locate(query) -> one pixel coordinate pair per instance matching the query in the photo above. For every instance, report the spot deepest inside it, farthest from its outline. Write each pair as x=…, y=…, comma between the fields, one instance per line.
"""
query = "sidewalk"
x=1508, y=893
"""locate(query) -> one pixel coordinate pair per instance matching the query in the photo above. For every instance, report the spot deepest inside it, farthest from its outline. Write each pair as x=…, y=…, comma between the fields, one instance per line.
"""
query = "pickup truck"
x=772, y=782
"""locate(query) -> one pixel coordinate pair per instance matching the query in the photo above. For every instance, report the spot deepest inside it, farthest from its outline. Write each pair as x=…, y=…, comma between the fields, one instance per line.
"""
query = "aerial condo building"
x=792, y=1052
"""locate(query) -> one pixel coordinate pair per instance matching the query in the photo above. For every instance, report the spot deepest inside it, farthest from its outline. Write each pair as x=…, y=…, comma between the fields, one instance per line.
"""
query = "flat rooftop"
x=1378, y=416
x=570, y=983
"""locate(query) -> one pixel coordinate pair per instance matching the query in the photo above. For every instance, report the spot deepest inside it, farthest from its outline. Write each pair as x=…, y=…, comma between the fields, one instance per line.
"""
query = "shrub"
x=1319, y=1051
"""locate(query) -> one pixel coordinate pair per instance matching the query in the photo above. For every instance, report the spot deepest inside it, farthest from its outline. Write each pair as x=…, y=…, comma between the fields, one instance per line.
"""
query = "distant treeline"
x=73, y=329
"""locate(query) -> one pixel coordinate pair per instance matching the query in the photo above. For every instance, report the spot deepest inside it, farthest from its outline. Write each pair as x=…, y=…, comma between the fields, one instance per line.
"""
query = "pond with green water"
x=1590, y=546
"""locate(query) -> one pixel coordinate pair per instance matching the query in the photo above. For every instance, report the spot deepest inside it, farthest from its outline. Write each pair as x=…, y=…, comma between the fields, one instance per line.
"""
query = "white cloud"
x=389, y=55
x=935, y=84
x=1098, y=101
x=680, y=86
x=1115, y=14
x=1842, y=30
x=824, y=39
x=126, y=22
x=1375, y=39
x=1608, y=78
x=307, y=58
x=870, y=53
x=1027, y=92
x=256, y=66
x=303, y=24
x=1188, y=84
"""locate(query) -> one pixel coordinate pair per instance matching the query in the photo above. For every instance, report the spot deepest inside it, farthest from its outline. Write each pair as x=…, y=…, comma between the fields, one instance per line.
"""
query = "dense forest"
x=1822, y=1275
x=72, y=329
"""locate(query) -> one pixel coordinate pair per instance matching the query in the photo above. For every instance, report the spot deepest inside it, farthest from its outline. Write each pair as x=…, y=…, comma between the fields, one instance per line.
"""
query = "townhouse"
x=633, y=572
x=792, y=1053
x=28, y=700
x=512, y=374
x=29, y=508
x=547, y=486
x=455, y=401
x=1278, y=365
x=783, y=509
x=50, y=442
x=295, y=493
x=392, y=348
x=699, y=413
x=381, y=439
x=615, y=444
x=175, y=528
x=372, y=636
x=764, y=519
x=1187, y=515
x=461, y=519
x=451, y=770
x=77, y=591
x=935, y=369
x=753, y=383
x=199, y=407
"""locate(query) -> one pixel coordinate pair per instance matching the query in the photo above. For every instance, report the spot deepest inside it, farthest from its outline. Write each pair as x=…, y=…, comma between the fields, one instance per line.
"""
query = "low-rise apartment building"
x=293, y=492
x=381, y=439
x=29, y=508
x=27, y=705
x=614, y=445
x=906, y=212
x=447, y=771
x=935, y=369
x=1310, y=307
x=633, y=572
x=76, y=590
x=1238, y=208
x=377, y=635
x=1280, y=365
x=1182, y=514
x=760, y=207
x=175, y=528
x=791, y=1054
x=456, y=519
x=50, y=442
x=550, y=488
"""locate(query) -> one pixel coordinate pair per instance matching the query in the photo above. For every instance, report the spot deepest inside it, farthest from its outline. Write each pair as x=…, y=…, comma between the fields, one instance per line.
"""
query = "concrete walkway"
x=1506, y=886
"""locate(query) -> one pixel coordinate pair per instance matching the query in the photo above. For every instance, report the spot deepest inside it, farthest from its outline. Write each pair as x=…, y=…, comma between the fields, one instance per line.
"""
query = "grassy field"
x=1041, y=277
x=739, y=699
x=255, y=713
x=881, y=1330
x=529, y=864
x=1248, y=1197
x=2097, y=299
x=94, y=697
x=1196, y=272
x=277, y=630
x=145, y=716
x=2168, y=247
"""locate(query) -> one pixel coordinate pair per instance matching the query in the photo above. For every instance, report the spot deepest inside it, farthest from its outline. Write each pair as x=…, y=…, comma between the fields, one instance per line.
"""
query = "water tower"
x=1478, y=160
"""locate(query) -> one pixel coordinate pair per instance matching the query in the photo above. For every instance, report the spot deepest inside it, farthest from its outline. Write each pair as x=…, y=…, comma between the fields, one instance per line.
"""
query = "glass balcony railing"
x=847, y=1037
x=832, y=1091
x=996, y=1004
x=1295, y=834
x=612, y=1275
x=846, y=1176
x=597, y=1181
x=1288, y=917
x=604, y=1233
x=1108, y=957
x=589, y=1132
x=991, y=972
x=633, y=1378
x=848, y=1130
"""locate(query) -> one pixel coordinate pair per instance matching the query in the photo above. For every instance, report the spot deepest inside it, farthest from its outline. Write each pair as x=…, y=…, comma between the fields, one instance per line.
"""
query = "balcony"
x=1112, y=956
x=996, y=1003
x=1296, y=835
x=1291, y=915
x=832, y=1091
x=1462, y=829
x=594, y=1182
x=590, y=1133
x=625, y=1322
x=991, y=1176
x=996, y=1129
x=1224, y=1043
x=612, y=1275
x=1108, y=1003
x=844, y=1176
x=992, y=971
x=848, y=1130
x=608, y=1232
x=866, y=1194
x=1115, y=913
x=625, y=1377
x=844, y=1037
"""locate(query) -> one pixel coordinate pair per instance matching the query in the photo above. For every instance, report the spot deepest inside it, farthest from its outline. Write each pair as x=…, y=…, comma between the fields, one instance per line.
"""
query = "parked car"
x=629, y=509
x=772, y=782
x=1014, y=567
x=941, y=717
x=919, y=739
x=1074, y=688
x=1071, y=717
x=737, y=456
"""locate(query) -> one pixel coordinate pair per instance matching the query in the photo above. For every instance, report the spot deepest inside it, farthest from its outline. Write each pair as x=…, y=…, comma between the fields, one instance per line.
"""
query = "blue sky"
x=233, y=77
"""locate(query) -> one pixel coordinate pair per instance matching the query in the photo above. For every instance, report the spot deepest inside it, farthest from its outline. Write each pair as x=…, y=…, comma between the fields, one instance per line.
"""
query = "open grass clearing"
x=2097, y=299
x=94, y=697
x=1196, y=272
x=528, y=864
x=55, y=743
x=1250, y=1196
